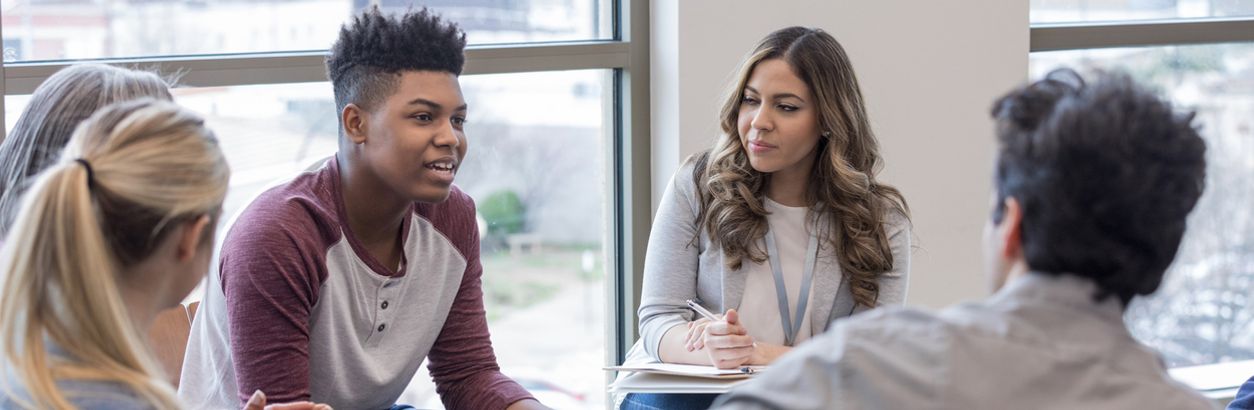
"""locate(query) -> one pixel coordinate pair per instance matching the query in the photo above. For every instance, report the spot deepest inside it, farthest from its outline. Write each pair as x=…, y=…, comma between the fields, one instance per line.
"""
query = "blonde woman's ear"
x=191, y=236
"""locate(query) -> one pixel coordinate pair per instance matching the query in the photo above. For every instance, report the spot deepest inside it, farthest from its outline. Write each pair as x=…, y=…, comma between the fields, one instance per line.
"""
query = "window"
x=1200, y=55
x=1203, y=313
x=536, y=170
x=554, y=124
x=1072, y=11
x=40, y=30
x=539, y=182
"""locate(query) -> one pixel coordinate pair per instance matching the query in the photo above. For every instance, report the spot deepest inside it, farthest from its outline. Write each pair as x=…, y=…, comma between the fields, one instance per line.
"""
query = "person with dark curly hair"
x=1094, y=183
x=336, y=285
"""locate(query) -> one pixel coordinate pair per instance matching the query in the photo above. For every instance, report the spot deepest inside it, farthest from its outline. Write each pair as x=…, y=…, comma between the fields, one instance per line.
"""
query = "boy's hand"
x=258, y=402
x=527, y=404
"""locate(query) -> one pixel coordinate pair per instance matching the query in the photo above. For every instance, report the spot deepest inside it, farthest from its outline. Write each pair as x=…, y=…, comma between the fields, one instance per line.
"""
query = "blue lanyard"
x=791, y=327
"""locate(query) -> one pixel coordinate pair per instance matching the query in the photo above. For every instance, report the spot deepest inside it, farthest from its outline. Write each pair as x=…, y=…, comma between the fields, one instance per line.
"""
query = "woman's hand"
x=728, y=342
x=766, y=353
x=695, y=340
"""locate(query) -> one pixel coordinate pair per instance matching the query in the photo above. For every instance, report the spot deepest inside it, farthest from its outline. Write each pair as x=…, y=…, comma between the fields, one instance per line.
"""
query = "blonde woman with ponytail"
x=116, y=230
x=780, y=228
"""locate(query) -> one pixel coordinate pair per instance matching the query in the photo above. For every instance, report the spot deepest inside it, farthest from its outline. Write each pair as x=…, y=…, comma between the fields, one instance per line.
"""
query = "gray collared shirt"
x=1040, y=343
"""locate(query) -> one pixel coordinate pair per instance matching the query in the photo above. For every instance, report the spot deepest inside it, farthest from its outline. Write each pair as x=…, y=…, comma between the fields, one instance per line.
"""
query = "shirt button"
x=383, y=326
x=385, y=305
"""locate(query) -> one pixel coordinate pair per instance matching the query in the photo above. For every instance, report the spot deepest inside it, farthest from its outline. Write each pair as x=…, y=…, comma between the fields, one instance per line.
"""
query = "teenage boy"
x=335, y=286
x=1093, y=186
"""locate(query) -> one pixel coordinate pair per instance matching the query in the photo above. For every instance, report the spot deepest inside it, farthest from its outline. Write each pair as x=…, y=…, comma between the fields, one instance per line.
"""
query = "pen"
x=700, y=310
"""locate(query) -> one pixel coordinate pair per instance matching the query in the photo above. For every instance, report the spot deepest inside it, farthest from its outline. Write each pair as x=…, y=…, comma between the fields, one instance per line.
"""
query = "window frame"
x=626, y=53
x=1081, y=36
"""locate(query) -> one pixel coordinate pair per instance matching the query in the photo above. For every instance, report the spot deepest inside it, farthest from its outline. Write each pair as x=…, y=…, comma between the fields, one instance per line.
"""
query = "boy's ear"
x=354, y=120
x=1012, y=229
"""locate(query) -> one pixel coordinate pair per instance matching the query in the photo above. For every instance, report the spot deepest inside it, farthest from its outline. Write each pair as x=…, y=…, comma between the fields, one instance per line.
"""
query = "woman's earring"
x=827, y=134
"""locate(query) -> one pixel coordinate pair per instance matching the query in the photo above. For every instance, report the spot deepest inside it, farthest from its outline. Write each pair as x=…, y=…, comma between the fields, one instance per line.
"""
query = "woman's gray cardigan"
x=675, y=270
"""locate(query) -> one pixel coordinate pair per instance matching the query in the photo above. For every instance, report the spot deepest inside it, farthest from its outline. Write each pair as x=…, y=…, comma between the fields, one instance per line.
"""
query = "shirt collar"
x=1061, y=290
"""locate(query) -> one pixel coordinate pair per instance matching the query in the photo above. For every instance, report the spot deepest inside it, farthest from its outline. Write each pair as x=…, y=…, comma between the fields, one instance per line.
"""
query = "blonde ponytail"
x=129, y=173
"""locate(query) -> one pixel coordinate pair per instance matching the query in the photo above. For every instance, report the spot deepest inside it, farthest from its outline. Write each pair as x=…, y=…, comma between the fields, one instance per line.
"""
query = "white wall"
x=929, y=71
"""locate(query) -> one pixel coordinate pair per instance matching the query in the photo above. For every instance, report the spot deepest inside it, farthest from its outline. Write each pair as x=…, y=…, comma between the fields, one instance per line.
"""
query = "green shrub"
x=504, y=212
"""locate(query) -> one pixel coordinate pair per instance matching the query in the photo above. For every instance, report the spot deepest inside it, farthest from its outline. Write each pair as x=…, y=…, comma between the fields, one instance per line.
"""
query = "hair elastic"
x=91, y=175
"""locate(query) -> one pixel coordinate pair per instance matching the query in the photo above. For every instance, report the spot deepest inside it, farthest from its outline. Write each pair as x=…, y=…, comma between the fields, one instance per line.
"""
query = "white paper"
x=689, y=370
x=666, y=383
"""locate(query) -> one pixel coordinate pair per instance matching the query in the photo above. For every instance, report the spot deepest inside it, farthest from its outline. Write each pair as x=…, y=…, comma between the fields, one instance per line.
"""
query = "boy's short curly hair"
x=374, y=48
x=1106, y=173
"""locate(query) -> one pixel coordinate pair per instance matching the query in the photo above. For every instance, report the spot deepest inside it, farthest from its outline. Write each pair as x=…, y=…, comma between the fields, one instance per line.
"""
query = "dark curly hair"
x=1106, y=174
x=374, y=48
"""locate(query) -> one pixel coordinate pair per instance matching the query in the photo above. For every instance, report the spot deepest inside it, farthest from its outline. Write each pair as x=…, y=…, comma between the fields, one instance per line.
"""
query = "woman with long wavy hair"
x=59, y=104
x=781, y=226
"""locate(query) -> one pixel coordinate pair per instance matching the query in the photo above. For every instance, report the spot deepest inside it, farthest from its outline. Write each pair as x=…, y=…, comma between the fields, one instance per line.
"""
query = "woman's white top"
x=759, y=307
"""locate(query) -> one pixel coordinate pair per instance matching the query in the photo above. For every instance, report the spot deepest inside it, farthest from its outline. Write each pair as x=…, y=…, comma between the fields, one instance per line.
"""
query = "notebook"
x=644, y=382
x=709, y=372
